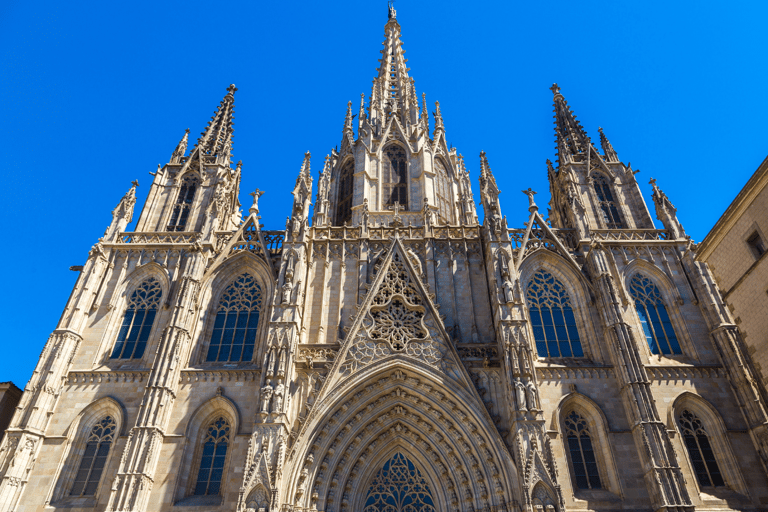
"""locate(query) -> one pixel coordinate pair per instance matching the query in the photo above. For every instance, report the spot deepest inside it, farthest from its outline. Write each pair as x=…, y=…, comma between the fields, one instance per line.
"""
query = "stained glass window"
x=399, y=487
x=395, y=174
x=653, y=316
x=183, y=204
x=344, y=203
x=443, y=189
x=554, y=326
x=607, y=204
x=700, y=451
x=137, y=321
x=212, y=459
x=237, y=321
x=95, y=457
x=582, y=454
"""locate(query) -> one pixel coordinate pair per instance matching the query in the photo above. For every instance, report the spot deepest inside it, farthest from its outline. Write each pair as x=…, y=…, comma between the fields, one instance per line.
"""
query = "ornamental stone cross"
x=135, y=183
x=255, y=206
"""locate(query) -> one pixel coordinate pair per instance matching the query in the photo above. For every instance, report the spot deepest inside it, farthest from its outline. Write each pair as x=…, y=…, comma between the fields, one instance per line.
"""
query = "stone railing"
x=629, y=234
x=159, y=237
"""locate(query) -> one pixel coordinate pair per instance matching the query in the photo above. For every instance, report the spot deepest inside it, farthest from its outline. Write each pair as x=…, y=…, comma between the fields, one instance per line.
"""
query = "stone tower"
x=391, y=353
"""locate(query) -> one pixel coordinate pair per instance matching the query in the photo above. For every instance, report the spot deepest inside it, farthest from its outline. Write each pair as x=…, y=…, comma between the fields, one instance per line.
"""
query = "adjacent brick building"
x=736, y=251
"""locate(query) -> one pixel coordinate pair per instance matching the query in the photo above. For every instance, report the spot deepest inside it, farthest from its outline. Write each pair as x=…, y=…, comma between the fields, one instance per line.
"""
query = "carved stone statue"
x=365, y=213
x=277, y=402
x=520, y=391
x=533, y=396
x=509, y=293
x=266, y=395
x=287, y=289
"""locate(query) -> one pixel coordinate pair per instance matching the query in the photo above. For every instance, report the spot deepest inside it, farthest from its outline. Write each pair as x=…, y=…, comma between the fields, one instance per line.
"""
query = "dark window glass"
x=94, y=458
x=137, y=321
x=583, y=459
x=699, y=450
x=394, y=182
x=654, y=318
x=607, y=204
x=554, y=327
x=756, y=244
x=346, y=190
x=399, y=487
x=212, y=459
x=183, y=204
x=237, y=322
x=443, y=192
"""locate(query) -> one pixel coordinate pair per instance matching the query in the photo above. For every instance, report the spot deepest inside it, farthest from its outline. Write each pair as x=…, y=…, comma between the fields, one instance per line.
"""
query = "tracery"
x=237, y=321
x=552, y=319
x=183, y=204
x=399, y=487
x=654, y=318
x=394, y=181
x=699, y=450
x=137, y=321
x=607, y=204
x=582, y=453
x=95, y=457
x=346, y=189
x=211, y=469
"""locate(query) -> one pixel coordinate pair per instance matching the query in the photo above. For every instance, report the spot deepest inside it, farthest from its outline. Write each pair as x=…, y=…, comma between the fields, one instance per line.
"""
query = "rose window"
x=397, y=323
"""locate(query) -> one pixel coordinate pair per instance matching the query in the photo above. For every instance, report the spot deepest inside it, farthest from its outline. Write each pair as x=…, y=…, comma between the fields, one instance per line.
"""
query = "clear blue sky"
x=96, y=94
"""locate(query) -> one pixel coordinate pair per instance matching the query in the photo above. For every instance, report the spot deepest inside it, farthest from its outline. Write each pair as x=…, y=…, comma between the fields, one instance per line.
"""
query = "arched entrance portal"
x=399, y=487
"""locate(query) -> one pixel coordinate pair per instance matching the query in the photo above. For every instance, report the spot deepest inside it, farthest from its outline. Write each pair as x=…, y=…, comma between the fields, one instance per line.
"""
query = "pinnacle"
x=216, y=140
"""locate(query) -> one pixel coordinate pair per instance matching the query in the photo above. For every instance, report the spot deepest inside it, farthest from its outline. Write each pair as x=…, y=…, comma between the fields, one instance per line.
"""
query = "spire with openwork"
x=216, y=140
x=570, y=136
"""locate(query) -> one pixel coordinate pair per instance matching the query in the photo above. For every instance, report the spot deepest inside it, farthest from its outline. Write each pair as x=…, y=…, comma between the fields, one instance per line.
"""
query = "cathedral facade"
x=388, y=352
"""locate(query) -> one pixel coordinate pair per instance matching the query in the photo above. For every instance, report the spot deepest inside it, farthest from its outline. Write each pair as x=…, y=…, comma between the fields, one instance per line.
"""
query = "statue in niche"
x=495, y=221
x=429, y=215
x=365, y=213
x=277, y=402
x=287, y=291
x=533, y=398
x=296, y=228
x=520, y=391
x=509, y=291
x=266, y=395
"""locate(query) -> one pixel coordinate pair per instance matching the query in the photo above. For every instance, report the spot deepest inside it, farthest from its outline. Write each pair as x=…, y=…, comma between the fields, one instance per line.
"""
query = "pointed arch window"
x=607, y=204
x=443, y=190
x=94, y=458
x=183, y=205
x=346, y=189
x=654, y=318
x=552, y=318
x=137, y=320
x=211, y=469
x=699, y=450
x=237, y=321
x=399, y=487
x=582, y=454
x=394, y=182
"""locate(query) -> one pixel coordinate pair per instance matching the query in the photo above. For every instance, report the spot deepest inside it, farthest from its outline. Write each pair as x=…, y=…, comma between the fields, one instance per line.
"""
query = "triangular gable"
x=247, y=238
x=394, y=131
x=396, y=318
x=538, y=221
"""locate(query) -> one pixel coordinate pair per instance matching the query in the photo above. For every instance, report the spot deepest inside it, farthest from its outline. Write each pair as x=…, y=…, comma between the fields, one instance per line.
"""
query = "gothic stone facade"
x=391, y=353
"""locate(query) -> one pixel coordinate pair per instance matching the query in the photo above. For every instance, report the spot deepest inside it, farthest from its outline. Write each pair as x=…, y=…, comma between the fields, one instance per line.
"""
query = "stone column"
x=132, y=485
x=663, y=476
x=25, y=435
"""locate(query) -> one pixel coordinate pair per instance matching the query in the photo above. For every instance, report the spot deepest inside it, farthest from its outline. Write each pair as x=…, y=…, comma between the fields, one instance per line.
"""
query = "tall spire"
x=608, y=151
x=571, y=137
x=424, y=111
x=216, y=140
x=392, y=84
x=181, y=148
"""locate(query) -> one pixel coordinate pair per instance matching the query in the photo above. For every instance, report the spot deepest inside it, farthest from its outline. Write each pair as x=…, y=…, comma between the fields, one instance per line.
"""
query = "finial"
x=231, y=89
x=348, y=118
x=135, y=183
x=256, y=194
x=438, y=117
x=531, y=203
x=392, y=14
x=239, y=164
x=555, y=89
x=654, y=185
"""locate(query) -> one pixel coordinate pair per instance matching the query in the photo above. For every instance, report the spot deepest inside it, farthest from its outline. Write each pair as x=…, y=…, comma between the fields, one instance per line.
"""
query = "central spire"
x=216, y=140
x=393, y=91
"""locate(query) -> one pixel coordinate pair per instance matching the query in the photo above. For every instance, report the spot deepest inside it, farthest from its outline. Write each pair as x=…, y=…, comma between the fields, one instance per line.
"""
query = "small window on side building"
x=756, y=244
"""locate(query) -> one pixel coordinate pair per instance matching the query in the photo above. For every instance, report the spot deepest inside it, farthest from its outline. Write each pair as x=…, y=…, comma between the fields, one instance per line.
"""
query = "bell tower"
x=591, y=190
x=198, y=192
x=395, y=170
